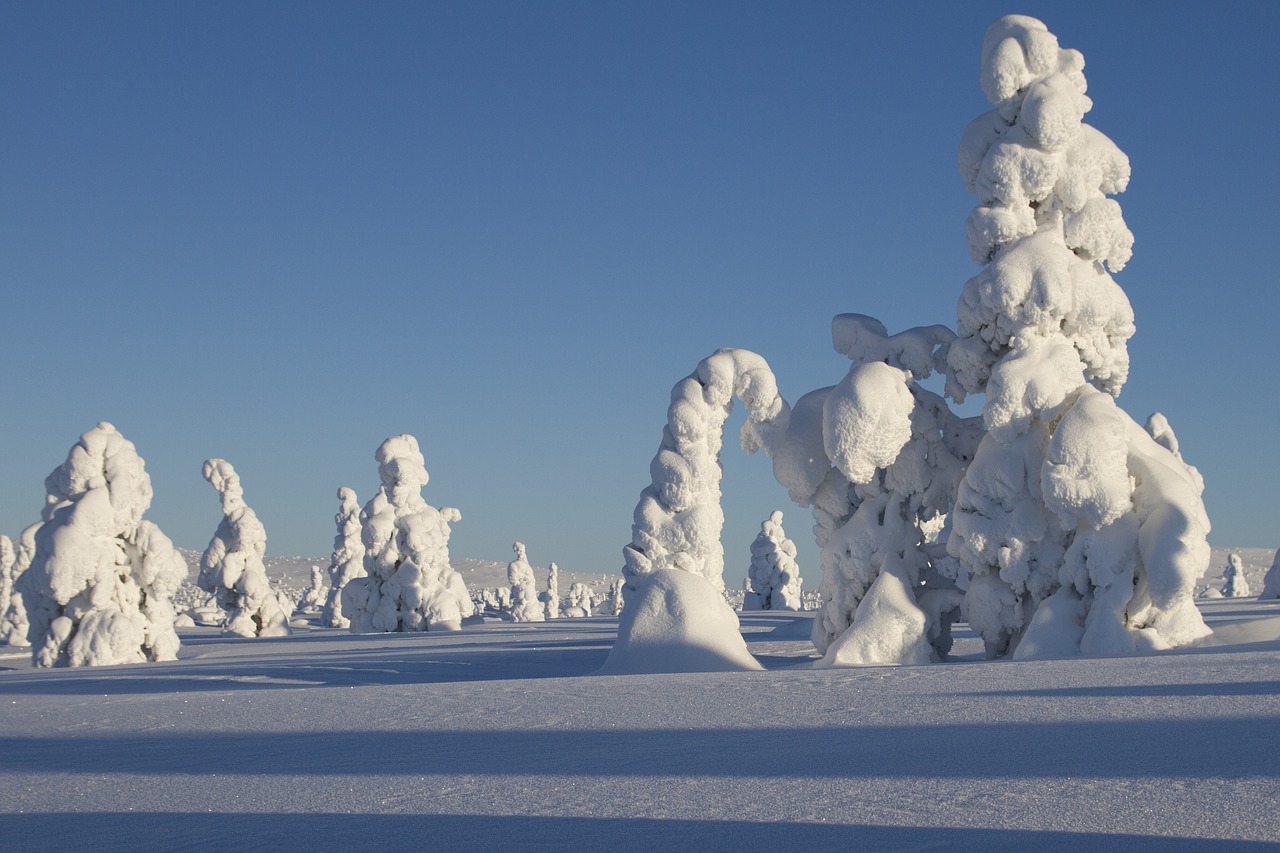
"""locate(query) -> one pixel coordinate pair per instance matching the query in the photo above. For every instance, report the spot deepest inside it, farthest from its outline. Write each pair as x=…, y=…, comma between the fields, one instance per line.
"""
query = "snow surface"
x=497, y=736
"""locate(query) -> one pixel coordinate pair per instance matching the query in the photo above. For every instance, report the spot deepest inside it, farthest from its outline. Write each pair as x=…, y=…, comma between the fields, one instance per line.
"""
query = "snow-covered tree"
x=1082, y=532
x=313, y=597
x=101, y=579
x=525, y=604
x=347, y=562
x=551, y=598
x=580, y=600
x=410, y=585
x=614, y=598
x=13, y=611
x=773, y=576
x=1236, y=586
x=1271, y=580
x=232, y=567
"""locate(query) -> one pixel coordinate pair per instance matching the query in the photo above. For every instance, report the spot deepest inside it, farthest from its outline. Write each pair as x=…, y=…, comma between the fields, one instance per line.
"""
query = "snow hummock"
x=100, y=582
x=677, y=621
x=410, y=585
x=232, y=566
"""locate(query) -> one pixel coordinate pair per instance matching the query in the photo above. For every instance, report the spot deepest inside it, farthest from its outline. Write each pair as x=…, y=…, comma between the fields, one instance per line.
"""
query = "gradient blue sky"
x=280, y=232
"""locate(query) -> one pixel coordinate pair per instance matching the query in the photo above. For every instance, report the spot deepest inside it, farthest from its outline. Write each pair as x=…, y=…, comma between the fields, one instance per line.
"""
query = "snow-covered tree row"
x=232, y=568
x=99, y=581
x=773, y=573
x=410, y=585
x=347, y=562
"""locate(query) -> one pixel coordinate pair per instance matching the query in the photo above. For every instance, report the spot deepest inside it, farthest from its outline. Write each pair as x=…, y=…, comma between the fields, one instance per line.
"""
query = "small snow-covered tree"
x=551, y=598
x=1236, y=586
x=313, y=597
x=525, y=604
x=614, y=598
x=101, y=579
x=8, y=562
x=773, y=576
x=347, y=562
x=232, y=566
x=410, y=585
x=1082, y=533
x=580, y=600
x=1271, y=580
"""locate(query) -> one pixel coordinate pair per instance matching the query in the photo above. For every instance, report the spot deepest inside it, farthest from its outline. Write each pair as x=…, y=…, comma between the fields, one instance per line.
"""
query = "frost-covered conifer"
x=551, y=598
x=100, y=582
x=347, y=562
x=8, y=558
x=1082, y=532
x=525, y=604
x=773, y=577
x=878, y=458
x=1271, y=580
x=232, y=568
x=410, y=585
x=13, y=611
x=313, y=597
x=615, y=598
x=580, y=600
x=1236, y=586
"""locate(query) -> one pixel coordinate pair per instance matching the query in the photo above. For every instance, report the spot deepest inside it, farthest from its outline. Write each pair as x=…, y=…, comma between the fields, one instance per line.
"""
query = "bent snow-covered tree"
x=100, y=584
x=410, y=585
x=1082, y=533
x=347, y=562
x=773, y=574
x=232, y=566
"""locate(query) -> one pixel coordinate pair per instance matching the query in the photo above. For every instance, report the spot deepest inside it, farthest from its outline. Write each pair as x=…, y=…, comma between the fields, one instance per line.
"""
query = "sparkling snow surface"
x=496, y=736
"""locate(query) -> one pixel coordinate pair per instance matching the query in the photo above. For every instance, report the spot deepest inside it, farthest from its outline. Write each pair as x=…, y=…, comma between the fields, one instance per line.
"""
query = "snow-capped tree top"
x=224, y=479
x=1017, y=50
x=403, y=470
x=105, y=464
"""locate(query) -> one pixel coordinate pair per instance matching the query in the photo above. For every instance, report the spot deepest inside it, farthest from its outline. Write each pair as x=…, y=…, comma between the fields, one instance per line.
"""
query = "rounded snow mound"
x=677, y=621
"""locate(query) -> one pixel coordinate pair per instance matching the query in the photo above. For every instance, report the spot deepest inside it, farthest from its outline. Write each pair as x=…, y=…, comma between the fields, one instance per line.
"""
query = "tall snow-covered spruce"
x=1081, y=531
x=773, y=573
x=232, y=566
x=347, y=562
x=100, y=583
x=410, y=585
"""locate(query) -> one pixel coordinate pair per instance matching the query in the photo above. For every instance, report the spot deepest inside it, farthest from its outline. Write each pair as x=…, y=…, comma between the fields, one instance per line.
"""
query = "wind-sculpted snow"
x=1080, y=531
x=410, y=585
x=678, y=520
x=773, y=573
x=347, y=562
x=99, y=585
x=232, y=567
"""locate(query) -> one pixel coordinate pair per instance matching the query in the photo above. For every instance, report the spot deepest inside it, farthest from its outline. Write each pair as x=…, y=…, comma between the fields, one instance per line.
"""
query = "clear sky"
x=280, y=232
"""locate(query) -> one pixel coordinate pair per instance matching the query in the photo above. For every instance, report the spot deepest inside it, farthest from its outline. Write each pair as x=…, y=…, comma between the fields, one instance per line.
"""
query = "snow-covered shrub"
x=231, y=567
x=773, y=574
x=581, y=600
x=551, y=598
x=410, y=585
x=678, y=519
x=347, y=562
x=1082, y=532
x=1237, y=585
x=525, y=604
x=99, y=587
x=313, y=597
x=1271, y=581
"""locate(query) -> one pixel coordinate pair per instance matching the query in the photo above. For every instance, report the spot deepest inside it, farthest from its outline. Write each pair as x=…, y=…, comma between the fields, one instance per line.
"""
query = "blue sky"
x=280, y=232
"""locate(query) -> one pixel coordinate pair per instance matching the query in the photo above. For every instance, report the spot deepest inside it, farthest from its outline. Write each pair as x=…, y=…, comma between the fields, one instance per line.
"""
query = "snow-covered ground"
x=499, y=736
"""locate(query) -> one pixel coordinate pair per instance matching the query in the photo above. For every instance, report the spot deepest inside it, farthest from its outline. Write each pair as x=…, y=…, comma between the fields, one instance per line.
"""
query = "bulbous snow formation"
x=100, y=582
x=525, y=604
x=232, y=566
x=677, y=621
x=678, y=519
x=773, y=574
x=878, y=457
x=410, y=585
x=1236, y=586
x=1081, y=532
x=347, y=562
x=1271, y=580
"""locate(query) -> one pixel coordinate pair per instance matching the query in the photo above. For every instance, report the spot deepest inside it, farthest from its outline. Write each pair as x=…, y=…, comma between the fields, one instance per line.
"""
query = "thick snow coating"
x=773, y=573
x=410, y=585
x=1237, y=585
x=347, y=562
x=232, y=567
x=526, y=606
x=678, y=519
x=677, y=621
x=99, y=585
x=1081, y=532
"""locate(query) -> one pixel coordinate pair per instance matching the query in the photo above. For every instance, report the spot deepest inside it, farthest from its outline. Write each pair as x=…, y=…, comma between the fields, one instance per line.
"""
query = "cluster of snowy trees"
x=1053, y=523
